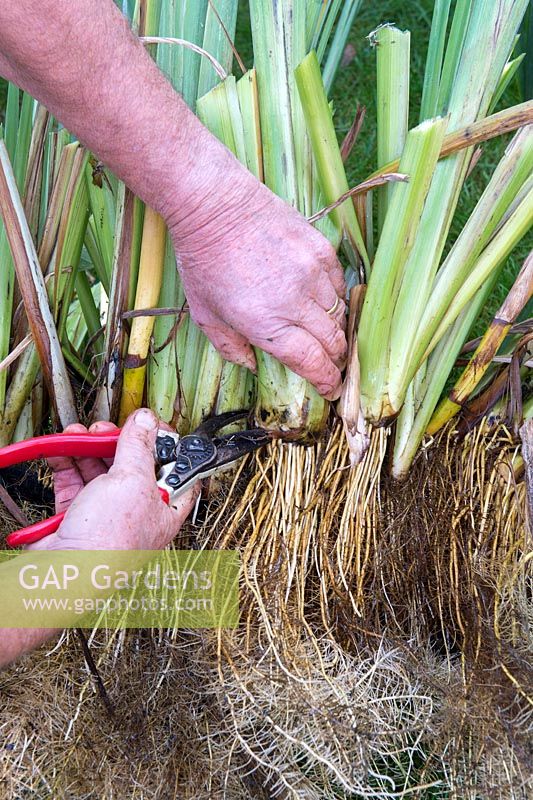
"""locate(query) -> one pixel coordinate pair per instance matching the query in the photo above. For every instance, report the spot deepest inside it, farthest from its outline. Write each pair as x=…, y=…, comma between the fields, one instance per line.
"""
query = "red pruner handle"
x=39, y=530
x=36, y=532
x=73, y=445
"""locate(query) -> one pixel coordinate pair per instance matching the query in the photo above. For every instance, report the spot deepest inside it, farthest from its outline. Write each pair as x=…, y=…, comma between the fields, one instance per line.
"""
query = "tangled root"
x=384, y=648
x=352, y=563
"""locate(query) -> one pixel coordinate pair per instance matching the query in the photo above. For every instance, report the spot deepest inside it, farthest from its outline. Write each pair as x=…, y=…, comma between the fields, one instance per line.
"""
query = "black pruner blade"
x=236, y=445
x=212, y=425
x=202, y=453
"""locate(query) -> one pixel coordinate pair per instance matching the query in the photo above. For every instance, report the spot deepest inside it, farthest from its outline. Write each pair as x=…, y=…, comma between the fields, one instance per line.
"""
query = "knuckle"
x=200, y=315
x=340, y=281
x=312, y=358
x=330, y=337
x=327, y=252
x=198, y=318
x=340, y=315
x=221, y=343
x=330, y=255
x=336, y=270
x=335, y=340
x=337, y=279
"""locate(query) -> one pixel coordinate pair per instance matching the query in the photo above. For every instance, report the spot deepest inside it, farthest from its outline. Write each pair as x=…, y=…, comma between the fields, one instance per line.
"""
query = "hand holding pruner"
x=180, y=460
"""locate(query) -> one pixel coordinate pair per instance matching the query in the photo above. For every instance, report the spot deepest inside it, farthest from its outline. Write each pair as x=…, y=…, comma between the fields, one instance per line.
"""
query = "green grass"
x=356, y=83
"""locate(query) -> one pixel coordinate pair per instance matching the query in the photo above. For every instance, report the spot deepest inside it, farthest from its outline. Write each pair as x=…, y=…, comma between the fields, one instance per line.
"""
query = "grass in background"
x=356, y=83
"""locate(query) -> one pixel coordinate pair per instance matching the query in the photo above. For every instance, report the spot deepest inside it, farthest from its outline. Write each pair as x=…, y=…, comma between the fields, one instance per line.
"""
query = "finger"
x=103, y=426
x=63, y=463
x=231, y=345
x=328, y=299
x=302, y=352
x=176, y=515
x=91, y=468
x=327, y=331
x=75, y=427
x=136, y=443
x=68, y=483
x=335, y=272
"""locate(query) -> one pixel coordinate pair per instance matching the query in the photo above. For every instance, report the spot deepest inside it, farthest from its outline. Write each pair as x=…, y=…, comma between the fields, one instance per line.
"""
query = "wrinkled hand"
x=256, y=273
x=115, y=506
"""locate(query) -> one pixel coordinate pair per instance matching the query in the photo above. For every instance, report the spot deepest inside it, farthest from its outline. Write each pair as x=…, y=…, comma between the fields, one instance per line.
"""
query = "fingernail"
x=145, y=419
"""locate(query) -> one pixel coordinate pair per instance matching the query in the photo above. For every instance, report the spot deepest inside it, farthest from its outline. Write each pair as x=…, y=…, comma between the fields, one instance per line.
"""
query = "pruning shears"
x=180, y=460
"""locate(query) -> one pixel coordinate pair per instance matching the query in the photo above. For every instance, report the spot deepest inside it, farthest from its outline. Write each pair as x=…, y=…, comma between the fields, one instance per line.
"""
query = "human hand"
x=256, y=273
x=115, y=506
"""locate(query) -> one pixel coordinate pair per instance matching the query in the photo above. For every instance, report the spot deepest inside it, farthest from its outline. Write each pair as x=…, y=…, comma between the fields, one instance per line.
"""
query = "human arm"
x=115, y=509
x=255, y=273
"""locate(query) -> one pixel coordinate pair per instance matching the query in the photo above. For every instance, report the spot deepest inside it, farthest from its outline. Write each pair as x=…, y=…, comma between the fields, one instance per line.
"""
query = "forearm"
x=15, y=642
x=84, y=64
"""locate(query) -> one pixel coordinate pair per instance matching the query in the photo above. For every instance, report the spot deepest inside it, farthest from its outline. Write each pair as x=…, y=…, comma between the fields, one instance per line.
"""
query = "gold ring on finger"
x=334, y=307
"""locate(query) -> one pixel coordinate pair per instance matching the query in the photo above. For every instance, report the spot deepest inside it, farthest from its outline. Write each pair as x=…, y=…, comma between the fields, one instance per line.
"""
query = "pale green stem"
x=389, y=271
x=392, y=59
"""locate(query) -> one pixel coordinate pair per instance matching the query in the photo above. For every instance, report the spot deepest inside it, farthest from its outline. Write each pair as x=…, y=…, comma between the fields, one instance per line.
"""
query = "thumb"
x=136, y=443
